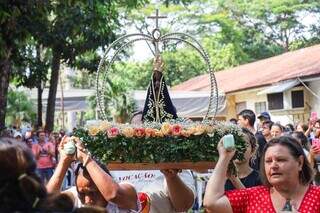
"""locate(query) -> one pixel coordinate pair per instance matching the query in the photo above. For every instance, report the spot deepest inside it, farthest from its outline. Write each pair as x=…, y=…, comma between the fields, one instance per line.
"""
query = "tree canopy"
x=232, y=32
x=17, y=19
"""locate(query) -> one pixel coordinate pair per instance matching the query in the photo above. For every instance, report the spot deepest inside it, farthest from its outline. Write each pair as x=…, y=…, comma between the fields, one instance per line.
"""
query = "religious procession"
x=160, y=106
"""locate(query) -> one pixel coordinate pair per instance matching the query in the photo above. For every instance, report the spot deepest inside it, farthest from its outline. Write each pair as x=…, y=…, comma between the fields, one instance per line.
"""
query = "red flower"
x=176, y=129
x=139, y=132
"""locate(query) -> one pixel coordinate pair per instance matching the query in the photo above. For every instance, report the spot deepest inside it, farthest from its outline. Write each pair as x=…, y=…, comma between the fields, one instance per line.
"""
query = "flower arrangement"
x=176, y=141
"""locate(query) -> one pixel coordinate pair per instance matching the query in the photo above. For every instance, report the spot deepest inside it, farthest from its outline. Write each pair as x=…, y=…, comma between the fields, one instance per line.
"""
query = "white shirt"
x=153, y=183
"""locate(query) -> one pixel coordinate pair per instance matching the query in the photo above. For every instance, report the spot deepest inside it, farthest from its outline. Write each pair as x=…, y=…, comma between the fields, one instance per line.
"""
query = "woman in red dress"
x=286, y=175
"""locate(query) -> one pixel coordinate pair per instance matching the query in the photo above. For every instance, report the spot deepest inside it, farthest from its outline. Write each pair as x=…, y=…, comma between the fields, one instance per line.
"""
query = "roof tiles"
x=300, y=63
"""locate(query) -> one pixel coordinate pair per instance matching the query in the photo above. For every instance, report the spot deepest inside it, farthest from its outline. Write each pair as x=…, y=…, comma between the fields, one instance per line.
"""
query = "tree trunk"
x=53, y=90
x=40, y=91
x=62, y=100
x=39, y=111
x=5, y=70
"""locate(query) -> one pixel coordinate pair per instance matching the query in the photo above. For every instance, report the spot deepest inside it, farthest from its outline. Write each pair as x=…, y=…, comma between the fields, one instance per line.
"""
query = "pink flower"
x=113, y=132
x=139, y=132
x=176, y=129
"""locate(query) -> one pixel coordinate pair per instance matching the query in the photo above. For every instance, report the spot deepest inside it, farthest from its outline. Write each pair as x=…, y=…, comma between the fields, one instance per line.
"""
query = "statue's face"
x=158, y=63
x=156, y=79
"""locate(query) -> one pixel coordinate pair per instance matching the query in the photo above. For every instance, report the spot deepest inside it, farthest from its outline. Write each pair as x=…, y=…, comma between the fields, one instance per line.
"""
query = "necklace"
x=287, y=206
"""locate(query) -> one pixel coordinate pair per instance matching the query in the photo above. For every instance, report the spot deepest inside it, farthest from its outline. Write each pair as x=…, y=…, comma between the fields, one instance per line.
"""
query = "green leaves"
x=279, y=22
x=153, y=150
x=19, y=108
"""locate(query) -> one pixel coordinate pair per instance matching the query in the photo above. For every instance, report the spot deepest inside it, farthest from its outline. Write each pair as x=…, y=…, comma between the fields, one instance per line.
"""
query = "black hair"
x=249, y=115
x=233, y=120
x=303, y=126
x=80, y=169
x=300, y=136
x=289, y=128
x=85, y=173
x=57, y=202
x=40, y=131
x=27, y=139
x=268, y=123
x=252, y=141
x=252, y=138
x=278, y=125
x=20, y=188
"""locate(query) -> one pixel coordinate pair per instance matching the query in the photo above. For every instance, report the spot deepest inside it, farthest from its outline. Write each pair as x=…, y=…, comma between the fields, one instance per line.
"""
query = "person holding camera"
x=94, y=185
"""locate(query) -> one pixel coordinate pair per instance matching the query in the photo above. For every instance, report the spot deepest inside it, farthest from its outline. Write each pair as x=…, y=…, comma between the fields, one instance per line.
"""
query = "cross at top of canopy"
x=157, y=85
x=157, y=17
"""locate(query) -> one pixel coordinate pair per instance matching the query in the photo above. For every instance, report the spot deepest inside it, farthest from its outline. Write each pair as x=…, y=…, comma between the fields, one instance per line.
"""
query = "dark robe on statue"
x=158, y=105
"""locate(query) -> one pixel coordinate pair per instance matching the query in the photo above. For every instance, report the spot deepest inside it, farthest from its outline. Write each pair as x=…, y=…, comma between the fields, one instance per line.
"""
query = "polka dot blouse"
x=257, y=199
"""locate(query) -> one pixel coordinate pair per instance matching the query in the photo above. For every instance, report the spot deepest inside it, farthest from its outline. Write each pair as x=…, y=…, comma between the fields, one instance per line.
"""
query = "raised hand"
x=224, y=153
x=82, y=152
x=314, y=150
x=170, y=173
x=63, y=156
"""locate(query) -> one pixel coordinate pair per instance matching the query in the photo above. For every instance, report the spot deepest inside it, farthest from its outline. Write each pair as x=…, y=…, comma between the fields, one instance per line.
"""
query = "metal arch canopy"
x=155, y=38
x=99, y=93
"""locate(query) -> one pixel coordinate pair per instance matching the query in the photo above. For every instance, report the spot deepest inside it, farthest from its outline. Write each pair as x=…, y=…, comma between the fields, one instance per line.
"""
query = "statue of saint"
x=158, y=105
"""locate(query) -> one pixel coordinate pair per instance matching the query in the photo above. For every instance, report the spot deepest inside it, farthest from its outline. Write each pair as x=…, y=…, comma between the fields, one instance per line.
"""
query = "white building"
x=287, y=86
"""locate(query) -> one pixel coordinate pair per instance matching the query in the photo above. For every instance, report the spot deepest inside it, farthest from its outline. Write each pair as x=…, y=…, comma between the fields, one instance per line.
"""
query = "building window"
x=275, y=101
x=260, y=107
x=297, y=98
x=241, y=106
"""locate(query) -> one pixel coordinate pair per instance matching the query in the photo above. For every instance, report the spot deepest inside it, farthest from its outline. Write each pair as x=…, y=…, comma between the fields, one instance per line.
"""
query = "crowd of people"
x=93, y=184
x=43, y=145
x=279, y=172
